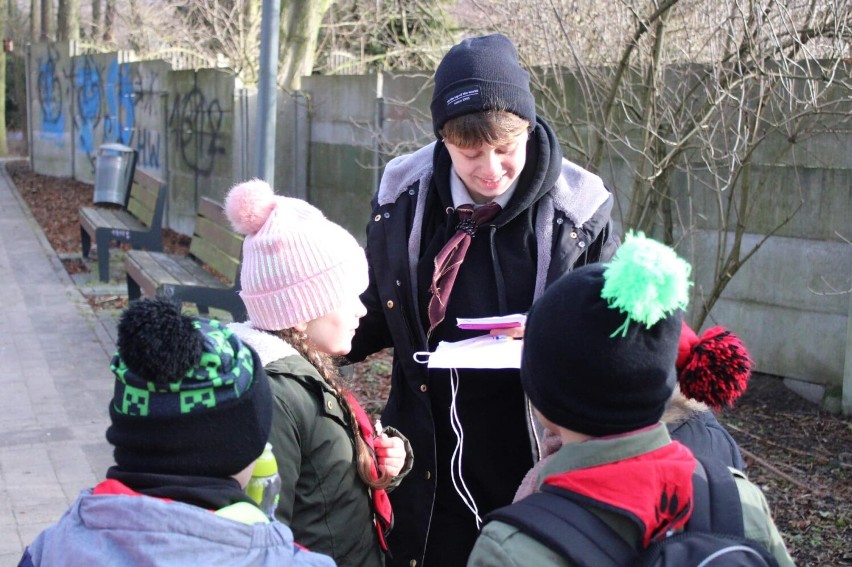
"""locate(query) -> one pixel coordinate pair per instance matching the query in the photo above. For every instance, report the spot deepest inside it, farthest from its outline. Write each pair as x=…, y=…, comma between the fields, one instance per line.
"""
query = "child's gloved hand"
x=390, y=453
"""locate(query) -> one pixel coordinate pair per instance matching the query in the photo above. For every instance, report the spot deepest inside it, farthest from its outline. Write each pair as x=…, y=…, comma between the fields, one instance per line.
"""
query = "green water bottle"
x=265, y=484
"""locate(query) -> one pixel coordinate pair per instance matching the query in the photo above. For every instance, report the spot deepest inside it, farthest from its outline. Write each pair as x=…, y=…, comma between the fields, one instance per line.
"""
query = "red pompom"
x=717, y=369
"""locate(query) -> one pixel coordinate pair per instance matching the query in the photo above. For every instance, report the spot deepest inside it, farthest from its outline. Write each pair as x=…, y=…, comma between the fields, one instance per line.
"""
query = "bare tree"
x=109, y=20
x=96, y=19
x=68, y=20
x=35, y=19
x=47, y=20
x=684, y=93
x=398, y=35
x=228, y=31
x=300, y=25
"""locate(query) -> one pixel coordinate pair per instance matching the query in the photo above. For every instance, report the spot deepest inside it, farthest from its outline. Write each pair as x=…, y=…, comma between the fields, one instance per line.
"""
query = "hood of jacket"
x=135, y=530
x=576, y=192
x=268, y=347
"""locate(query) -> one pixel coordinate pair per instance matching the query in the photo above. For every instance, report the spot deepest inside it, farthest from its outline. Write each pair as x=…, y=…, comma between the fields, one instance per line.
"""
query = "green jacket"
x=323, y=499
x=500, y=544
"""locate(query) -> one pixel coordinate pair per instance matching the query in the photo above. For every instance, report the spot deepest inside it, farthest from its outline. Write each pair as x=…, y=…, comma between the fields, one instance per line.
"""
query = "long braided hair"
x=324, y=363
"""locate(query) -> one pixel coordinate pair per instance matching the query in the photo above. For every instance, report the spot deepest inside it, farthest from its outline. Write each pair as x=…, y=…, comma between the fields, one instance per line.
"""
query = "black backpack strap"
x=567, y=528
x=717, y=499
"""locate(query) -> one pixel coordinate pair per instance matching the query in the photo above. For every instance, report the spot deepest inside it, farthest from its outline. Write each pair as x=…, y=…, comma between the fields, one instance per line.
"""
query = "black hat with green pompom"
x=601, y=342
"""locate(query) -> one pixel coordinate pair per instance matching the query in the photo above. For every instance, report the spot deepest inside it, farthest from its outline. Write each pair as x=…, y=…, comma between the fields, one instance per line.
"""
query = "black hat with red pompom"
x=713, y=368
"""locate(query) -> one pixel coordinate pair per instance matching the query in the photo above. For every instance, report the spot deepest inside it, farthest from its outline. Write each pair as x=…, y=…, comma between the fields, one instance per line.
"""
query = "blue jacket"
x=140, y=530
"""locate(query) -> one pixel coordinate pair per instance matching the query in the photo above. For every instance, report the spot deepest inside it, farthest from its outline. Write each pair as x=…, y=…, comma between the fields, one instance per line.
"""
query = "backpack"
x=713, y=536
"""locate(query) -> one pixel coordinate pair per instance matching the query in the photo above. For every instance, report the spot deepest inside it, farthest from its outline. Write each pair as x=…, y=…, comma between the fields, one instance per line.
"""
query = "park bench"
x=138, y=223
x=182, y=278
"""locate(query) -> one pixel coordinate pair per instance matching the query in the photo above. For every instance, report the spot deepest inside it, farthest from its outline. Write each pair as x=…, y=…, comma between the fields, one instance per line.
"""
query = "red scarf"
x=381, y=502
x=655, y=487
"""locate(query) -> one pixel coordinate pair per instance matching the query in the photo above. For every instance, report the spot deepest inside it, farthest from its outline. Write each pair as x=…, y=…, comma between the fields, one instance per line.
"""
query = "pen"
x=503, y=338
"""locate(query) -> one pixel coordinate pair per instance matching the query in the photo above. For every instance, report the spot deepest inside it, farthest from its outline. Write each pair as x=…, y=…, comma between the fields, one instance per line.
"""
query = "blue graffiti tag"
x=88, y=85
x=50, y=96
x=121, y=104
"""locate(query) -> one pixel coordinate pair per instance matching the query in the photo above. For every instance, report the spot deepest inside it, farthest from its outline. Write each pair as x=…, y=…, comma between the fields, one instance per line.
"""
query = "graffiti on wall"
x=49, y=91
x=120, y=105
x=144, y=97
x=114, y=104
x=88, y=90
x=81, y=102
x=197, y=125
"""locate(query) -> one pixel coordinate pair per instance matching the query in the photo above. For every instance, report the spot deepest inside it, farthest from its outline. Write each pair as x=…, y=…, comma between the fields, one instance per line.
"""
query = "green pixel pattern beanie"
x=189, y=398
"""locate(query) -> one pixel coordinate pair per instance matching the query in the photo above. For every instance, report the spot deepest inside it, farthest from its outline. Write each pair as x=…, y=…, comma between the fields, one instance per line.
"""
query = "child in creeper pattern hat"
x=301, y=275
x=603, y=387
x=190, y=415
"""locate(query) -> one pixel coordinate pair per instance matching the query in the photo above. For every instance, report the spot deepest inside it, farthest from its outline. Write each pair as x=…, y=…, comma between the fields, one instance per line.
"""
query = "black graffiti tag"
x=198, y=125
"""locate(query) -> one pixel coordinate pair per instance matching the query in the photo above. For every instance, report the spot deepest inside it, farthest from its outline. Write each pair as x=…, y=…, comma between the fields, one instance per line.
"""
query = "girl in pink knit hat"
x=301, y=278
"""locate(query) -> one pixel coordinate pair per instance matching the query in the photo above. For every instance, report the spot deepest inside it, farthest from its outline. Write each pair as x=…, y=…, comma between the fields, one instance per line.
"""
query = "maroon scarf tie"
x=450, y=257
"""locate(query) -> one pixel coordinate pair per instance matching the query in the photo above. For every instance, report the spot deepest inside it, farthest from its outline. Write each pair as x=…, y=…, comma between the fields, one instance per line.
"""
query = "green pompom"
x=646, y=280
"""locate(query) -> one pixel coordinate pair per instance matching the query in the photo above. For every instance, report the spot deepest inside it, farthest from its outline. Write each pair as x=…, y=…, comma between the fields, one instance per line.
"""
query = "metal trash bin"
x=114, y=167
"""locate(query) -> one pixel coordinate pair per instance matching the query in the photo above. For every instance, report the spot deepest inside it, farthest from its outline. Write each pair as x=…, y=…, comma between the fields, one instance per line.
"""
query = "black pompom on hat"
x=189, y=399
x=600, y=344
x=479, y=74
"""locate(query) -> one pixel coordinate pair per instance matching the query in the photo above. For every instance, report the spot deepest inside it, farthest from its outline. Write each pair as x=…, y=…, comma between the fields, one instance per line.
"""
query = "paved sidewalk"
x=55, y=382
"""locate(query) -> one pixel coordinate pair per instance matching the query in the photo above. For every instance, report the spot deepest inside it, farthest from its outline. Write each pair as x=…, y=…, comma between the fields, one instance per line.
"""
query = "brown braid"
x=324, y=364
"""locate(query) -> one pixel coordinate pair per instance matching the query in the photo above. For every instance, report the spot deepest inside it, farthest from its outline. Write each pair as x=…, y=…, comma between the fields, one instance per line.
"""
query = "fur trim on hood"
x=268, y=347
x=579, y=193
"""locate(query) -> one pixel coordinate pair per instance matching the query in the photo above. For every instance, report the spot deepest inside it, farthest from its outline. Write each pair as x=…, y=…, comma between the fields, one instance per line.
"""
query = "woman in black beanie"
x=475, y=224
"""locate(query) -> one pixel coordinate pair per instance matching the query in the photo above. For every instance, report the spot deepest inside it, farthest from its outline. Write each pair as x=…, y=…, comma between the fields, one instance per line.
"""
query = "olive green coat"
x=502, y=545
x=323, y=499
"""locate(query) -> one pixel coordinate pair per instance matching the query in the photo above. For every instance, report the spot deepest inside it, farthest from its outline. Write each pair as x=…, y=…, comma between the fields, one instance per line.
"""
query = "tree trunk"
x=136, y=38
x=96, y=19
x=61, y=16
x=68, y=20
x=109, y=19
x=47, y=21
x=300, y=25
x=35, y=20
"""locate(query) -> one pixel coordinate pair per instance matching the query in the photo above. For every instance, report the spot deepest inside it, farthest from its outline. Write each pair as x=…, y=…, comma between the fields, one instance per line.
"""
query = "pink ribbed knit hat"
x=297, y=264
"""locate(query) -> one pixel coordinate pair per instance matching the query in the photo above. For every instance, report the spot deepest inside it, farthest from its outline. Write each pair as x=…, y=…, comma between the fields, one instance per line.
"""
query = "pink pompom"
x=248, y=205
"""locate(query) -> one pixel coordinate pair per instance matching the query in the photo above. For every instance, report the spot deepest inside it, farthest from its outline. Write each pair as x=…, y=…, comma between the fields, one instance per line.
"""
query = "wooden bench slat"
x=213, y=257
x=208, y=208
x=225, y=240
x=147, y=271
x=144, y=194
x=187, y=271
x=93, y=218
x=147, y=180
x=186, y=277
x=142, y=203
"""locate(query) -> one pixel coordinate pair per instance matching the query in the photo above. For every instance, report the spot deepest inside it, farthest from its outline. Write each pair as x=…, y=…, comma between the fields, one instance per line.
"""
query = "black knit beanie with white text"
x=479, y=74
